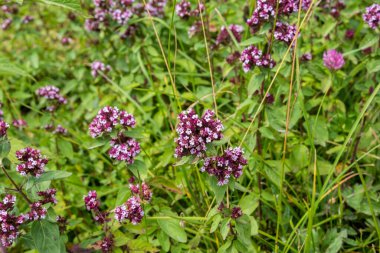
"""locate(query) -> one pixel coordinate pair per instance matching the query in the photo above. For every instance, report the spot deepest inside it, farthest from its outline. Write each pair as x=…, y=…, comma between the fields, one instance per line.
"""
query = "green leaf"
x=164, y=241
x=254, y=226
x=249, y=203
x=5, y=147
x=336, y=244
x=7, y=68
x=218, y=190
x=68, y=4
x=51, y=175
x=46, y=236
x=225, y=227
x=173, y=229
x=215, y=223
x=65, y=148
x=243, y=228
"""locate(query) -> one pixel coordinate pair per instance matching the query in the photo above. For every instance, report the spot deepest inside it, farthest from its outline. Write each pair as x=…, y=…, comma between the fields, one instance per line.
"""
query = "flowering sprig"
x=110, y=119
x=372, y=16
x=333, y=60
x=194, y=132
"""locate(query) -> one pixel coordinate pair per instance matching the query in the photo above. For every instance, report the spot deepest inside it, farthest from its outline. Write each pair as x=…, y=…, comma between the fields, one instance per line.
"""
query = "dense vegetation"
x=200, y=126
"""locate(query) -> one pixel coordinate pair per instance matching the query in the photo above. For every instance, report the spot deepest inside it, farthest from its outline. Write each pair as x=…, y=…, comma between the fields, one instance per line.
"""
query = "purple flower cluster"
x=51, y=93
x=105, y=121
x=222, y=167
x=48, y=196
x=184, y=11
x=109, y=118
x=92, y=203
x=27, y=19
x=333, y=60
x=372, y=16
x=266, y=9
x=233, y=57
x=306, y=57
x=130, y=210
x=19, y=123
x=107, y=244
x=6, y=24
x=335, y=9
x=194, y=132
x=60, y=130
x=224, y=37
x=121, y=12
x=91, y=200
x=97, y=67
x=156, y=7
x=124, y=148
x=143, y=190
x=37, y=212
x=32, y=162
x=285, y=32
x=3, y=128
x=9, y=223
x=236, y=212
x=252, y=56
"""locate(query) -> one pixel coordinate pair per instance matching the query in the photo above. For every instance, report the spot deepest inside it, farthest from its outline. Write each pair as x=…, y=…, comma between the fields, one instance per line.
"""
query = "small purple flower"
x=130, y=210
x=66, y=41
x=252, y=56
x=195, y=28
x=236, y=212
x=91, y=201
x=333, y=60
x=3, y=128
x=156, y=7
x=32, y=162
x=60, y=130
x=37, y=212
x=306, y=57
x=225, y=38
x=372, y=16
x=222, y=167
x=98, y=66
x=233, y=57
x=194, y=132
x=51, y=93
x=183, y=9
x=19, y=123
x=350, y=34
x=6, y=24
x=48, y=196
x=107, y=244
x=27, y=19
x=105, y=121
x=146, y=193
x=124, y=148
x=92, y=25
x=285, y=32
x=9, y=223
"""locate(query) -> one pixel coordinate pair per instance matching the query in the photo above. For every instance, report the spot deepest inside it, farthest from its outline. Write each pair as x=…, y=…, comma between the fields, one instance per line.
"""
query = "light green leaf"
x=51, y=175
x=68, y=4
x=173, y=229
x=46, y=236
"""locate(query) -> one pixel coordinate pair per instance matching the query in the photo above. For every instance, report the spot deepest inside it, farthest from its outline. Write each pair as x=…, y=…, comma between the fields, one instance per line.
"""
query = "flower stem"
x=17, y=188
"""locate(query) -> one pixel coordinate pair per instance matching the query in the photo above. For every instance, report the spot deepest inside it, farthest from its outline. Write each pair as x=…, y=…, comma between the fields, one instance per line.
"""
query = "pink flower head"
x=142, y=190
x=222, y=167
x=107, y=244
x=37, y=212
x=51, y=93
x=156, y=7
x=48, y=196
x=130, y=210
x=19, y=123
x=333, y=60
x=194, y=132
x=252, y=56
x=236, y=212
x=225, y=38
x=60, y=130
x=32, y=162
x=97, y=67
x=9, y=223
x=372, y=16
x=105, y=121
x=285, y=32
x=124, y=148
x=183, y=9
x=91, y=200
x=6, y=24
x=3, y=128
